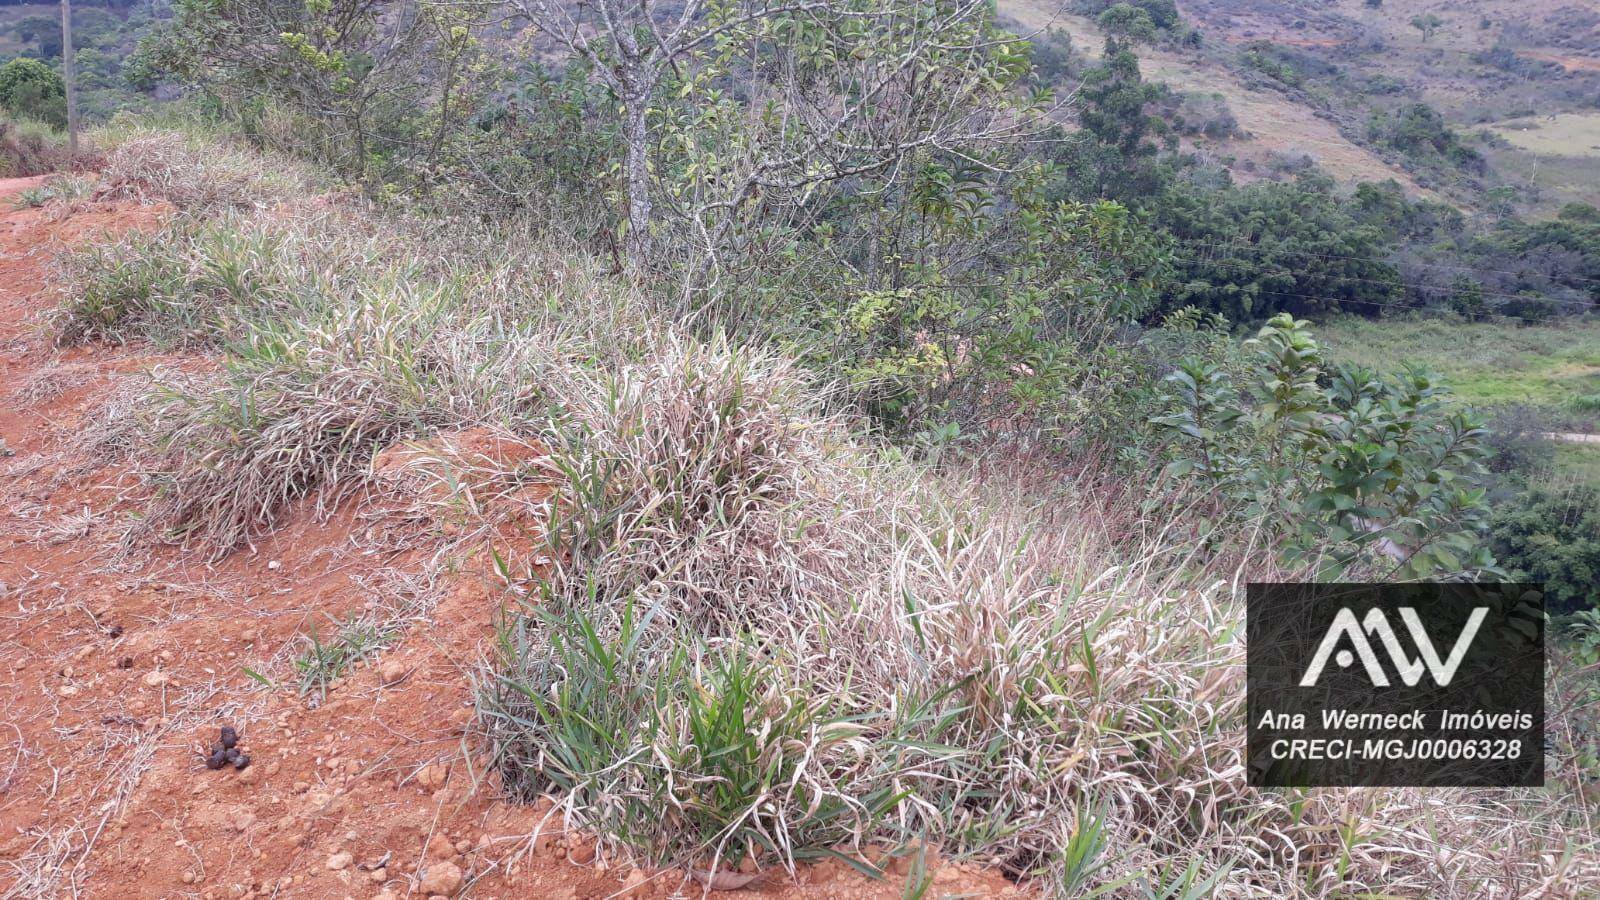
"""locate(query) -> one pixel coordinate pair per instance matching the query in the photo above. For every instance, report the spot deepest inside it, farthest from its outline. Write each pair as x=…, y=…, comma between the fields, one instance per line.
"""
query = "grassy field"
x=1486, y=364
x=1579, y=462
x=1567, y=134
x=1553, y=368
x=1559, y=155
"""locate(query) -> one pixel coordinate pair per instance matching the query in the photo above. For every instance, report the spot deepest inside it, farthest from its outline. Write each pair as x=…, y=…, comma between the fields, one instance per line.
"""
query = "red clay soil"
x=118, y=668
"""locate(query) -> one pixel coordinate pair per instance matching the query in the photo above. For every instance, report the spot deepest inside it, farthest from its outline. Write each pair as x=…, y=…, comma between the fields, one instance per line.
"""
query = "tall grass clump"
x=60, y=189
x=199, y=281
x=340, y=331
x=906, y=663
x=29, y=147
x=194, y=170
x=706, y=486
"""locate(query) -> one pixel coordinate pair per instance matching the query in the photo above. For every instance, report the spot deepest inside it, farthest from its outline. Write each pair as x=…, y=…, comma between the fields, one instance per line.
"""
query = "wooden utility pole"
x=72, y=83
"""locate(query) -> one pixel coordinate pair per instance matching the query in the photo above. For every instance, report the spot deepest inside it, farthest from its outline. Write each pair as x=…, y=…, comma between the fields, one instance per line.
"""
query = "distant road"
x=1573, y=437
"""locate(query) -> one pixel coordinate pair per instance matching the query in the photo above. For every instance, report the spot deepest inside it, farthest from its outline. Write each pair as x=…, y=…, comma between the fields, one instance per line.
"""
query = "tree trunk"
x=72, y=82
x=636, y=172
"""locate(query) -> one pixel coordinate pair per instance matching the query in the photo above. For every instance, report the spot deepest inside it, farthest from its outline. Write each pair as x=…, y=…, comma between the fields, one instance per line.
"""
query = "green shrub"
x=32, y=89
x=1351, y=474
x=1420, y=133
x=1552, y=535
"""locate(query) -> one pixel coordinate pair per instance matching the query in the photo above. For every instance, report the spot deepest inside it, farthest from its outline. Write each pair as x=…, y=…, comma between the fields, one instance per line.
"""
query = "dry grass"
x=32, y=148
x=759, y=634
x=197, y=172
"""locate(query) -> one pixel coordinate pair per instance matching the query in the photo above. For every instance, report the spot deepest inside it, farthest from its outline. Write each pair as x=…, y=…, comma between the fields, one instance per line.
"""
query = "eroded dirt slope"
x=120, y=662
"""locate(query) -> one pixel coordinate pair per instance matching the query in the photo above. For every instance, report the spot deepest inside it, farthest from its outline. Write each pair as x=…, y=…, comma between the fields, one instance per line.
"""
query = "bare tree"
x=852, y=90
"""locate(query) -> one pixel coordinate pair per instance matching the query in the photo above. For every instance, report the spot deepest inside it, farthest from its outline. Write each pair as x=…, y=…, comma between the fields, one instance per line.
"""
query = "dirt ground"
x=119, y=664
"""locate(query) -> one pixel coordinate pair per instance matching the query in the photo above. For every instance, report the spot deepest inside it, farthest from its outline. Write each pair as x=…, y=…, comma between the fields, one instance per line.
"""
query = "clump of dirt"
x=226, y=751
x=116, y=667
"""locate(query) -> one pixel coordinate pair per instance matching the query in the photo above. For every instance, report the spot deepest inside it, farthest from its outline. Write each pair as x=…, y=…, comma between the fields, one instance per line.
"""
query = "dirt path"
x=119, y=664
x=1572, y=437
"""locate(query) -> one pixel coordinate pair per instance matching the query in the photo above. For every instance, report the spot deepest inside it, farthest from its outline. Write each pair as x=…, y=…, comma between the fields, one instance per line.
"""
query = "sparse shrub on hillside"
x=1421, y=134
x=1357, y=475
x=1428, y=24
x=1516, y=441
x=1127, y=21
x=1262, y=56
x=1204, y=114
x=1585, y=213
x=1054, y=59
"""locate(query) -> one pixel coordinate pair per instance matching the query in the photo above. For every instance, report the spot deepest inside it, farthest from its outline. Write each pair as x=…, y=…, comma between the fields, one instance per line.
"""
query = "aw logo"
x=1346, y=628
x=1415, y=684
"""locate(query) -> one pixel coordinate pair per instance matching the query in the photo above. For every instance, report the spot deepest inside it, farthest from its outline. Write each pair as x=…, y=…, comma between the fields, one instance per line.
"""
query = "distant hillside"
x=1515, y=87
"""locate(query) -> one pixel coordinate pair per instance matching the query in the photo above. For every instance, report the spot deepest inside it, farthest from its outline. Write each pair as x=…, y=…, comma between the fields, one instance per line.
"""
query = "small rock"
x=433, y=776
x=274, y=565
x=340, y=860
x=441, y=878
x=636, y=884
x=156, y=678
x=582, y=853
x=393, y=671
